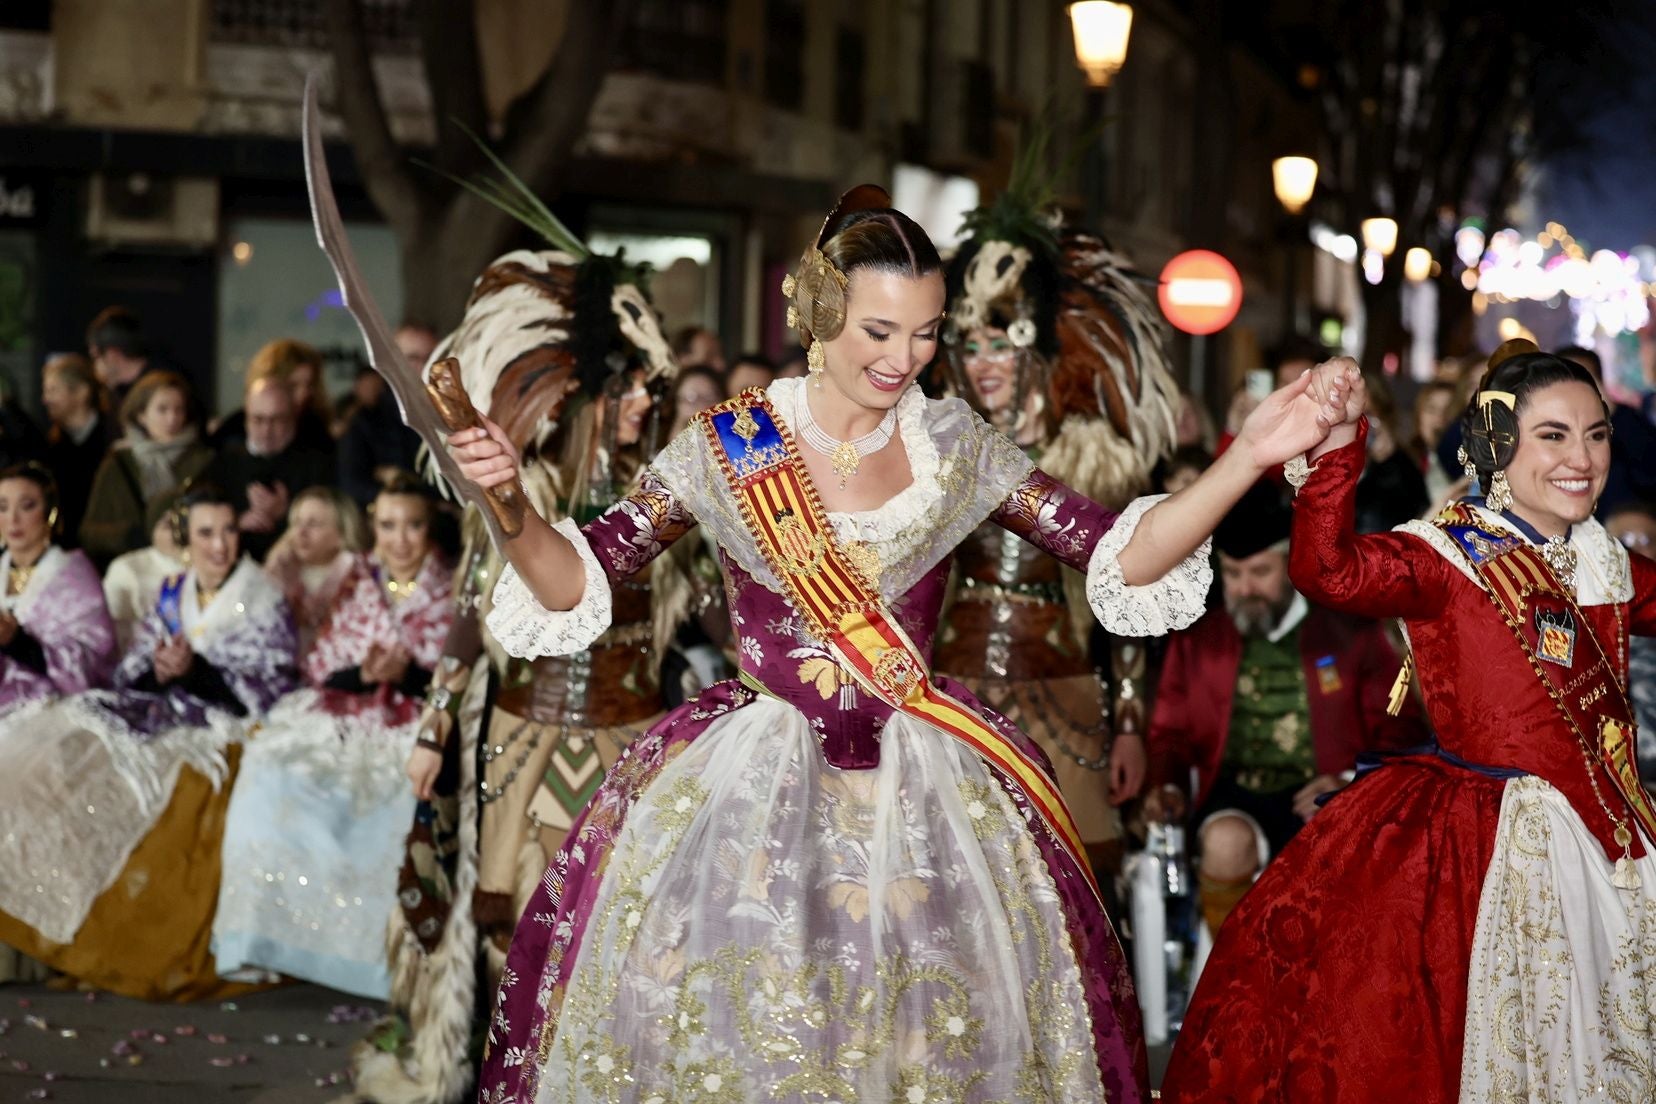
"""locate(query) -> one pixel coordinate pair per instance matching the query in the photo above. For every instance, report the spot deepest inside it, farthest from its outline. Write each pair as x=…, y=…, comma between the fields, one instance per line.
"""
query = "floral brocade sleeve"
x=1089, y=538
x=618, y=544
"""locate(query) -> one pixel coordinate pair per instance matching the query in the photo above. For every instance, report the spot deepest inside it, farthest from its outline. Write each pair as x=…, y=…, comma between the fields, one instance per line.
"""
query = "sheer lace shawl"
x=962, y=468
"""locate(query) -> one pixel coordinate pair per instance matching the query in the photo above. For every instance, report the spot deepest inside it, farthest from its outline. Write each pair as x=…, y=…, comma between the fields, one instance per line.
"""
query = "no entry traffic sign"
x=1200, y=292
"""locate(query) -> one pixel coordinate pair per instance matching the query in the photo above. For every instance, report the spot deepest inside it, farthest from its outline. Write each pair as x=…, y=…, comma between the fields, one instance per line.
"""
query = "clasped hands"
x=1312, y=415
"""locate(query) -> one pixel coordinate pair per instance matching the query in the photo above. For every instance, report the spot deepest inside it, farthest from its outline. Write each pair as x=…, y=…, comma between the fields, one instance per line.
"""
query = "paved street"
x=268, y=1048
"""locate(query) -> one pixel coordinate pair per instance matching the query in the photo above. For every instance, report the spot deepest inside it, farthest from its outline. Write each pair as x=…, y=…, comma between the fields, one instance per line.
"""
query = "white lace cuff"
x=529, y=630
x=1172, y=602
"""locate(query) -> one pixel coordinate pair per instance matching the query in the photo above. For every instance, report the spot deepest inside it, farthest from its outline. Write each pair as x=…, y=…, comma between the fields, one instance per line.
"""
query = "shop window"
x=274, y=282
x=684, y=272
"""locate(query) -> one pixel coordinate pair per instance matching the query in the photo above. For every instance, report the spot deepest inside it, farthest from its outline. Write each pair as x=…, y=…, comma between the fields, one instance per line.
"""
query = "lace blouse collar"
x=885, y=521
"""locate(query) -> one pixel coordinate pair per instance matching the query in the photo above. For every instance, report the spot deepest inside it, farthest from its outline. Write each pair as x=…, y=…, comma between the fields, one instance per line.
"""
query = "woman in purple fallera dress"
x=811, y=883
x=56, y=637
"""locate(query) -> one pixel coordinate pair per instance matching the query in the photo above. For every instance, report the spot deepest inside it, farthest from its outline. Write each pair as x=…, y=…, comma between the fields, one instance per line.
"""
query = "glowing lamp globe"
x=1101, y=30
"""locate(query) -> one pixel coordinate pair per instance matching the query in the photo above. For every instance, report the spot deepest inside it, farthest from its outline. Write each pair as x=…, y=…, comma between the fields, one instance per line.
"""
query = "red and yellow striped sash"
x=840, y=604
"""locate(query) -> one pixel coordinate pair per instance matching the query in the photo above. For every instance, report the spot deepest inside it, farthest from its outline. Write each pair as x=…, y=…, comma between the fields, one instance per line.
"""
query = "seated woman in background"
x=321, y=791
x=310, y=560
x=162, y=450
x=132, y=583
x=112, y=801
x=55, y=634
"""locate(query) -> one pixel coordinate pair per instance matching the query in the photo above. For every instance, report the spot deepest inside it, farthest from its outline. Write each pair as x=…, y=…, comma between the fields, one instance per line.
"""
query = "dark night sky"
x=1606, y=195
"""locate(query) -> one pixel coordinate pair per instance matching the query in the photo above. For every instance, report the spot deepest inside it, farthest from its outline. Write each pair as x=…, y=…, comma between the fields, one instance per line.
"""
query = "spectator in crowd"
x=1270, y=700
x=1181, y=469
x=750, y=370
x=794, y=367
x=271, y=466
x=1392, y=489
x=79, y=436
x=698, y=345
x=134, y=579
x=1193, y=425
x=115, y=342
x=1434, y=411
x=366, y=389
x=298, y=367
x=1632, y=444
x=694, y=390
x=161, y=449
x=1634, y=526
x=309, y=562
x=1296, y=354
x=376, y=443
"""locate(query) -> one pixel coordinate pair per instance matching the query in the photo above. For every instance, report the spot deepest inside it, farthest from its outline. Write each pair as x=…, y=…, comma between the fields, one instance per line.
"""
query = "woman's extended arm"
x=544, y=558
x=1291, y=420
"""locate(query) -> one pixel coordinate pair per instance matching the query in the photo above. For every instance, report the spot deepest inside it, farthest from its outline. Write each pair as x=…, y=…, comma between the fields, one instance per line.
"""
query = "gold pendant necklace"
x=17, y=579
x=846, y=460
x=401, y=591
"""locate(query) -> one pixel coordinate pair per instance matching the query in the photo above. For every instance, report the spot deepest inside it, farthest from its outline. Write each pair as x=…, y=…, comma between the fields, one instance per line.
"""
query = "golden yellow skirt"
x=148, y=935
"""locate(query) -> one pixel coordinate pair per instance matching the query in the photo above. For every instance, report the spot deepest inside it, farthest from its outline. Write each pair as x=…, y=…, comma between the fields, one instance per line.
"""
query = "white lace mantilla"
x=529, y=630
x=962, y=470
x=1561, y=990
x=1173, y=602
x=1603, y=574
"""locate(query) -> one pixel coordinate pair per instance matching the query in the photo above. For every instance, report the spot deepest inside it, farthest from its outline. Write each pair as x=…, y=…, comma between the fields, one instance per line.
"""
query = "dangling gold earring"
x=1466, y=464
x=816, y=358
x=51, y=521
x=1499, y=497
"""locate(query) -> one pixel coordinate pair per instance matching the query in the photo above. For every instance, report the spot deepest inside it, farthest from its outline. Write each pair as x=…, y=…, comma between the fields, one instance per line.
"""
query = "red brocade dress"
x=1452, y=926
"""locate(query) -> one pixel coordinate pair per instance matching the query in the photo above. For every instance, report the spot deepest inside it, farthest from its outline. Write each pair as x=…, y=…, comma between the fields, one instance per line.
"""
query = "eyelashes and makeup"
x=877, y=335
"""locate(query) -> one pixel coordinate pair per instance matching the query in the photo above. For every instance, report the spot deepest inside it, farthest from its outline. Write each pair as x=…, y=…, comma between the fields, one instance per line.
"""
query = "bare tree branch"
x=453, y=69
x=384, y=166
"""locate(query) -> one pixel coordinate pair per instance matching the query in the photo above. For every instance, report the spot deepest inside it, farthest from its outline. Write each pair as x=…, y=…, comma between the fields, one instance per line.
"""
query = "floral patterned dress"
x=315, y=827
x=789, y=891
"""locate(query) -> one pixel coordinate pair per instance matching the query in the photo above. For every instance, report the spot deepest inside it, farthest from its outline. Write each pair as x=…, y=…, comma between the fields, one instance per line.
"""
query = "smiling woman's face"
x=890, y=335
x=1563, y=456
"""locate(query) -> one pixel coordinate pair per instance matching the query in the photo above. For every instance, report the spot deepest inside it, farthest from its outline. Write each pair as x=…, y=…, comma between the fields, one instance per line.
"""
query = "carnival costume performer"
x=1051, y=338
x=1473, y=922
x=837, y=877
x=315, y=830
x=562, y=347
x=56, y=637
x=112, y=801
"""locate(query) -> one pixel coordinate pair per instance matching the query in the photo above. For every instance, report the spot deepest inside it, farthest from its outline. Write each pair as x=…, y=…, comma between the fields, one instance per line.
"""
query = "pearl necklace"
x=845, y=456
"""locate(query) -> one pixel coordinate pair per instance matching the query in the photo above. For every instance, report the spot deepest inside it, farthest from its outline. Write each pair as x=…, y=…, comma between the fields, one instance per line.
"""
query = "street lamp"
x=1380, y=235
x=1101, y=29
x=1417, y=265
x=1294, y=178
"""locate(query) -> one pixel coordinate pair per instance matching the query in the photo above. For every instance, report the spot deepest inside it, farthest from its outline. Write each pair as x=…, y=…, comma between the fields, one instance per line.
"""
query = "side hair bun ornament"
x=1492, y=437
x=816, y=290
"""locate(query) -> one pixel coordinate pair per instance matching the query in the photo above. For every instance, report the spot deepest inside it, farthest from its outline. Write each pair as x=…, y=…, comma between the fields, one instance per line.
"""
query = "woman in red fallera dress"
x=1476, y=921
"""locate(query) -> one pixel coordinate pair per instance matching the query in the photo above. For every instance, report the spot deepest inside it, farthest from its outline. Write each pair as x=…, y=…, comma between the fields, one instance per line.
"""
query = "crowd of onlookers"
x=124, y=432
